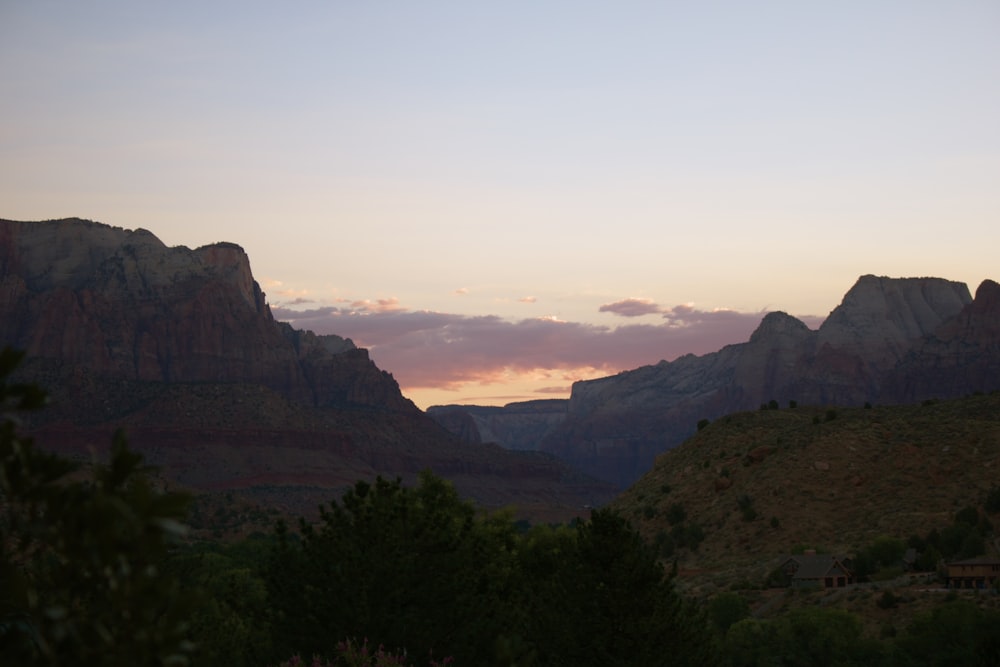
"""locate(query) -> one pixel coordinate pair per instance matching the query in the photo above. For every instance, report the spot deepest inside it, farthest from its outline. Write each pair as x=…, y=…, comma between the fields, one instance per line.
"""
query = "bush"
x=726, y=609
x=992, y=504
x=82, y=577
x=747, y=511
x=888, y=600
x=676, y=514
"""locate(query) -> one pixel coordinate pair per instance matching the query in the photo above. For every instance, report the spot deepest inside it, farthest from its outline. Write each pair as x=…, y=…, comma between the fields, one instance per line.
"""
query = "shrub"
x=745, y=504
x=676, y=514
x=888, y=600
x=992, y=504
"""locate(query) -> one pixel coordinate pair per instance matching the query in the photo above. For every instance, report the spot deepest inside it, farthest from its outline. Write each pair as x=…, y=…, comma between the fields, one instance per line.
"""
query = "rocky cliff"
x=518, y=426
x=889, y=341
x=180, y=347
x=121, y=304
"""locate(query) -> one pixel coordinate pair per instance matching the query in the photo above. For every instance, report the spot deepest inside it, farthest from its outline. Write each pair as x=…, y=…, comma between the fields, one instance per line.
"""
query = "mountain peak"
x=879, y=311
x=779, y=324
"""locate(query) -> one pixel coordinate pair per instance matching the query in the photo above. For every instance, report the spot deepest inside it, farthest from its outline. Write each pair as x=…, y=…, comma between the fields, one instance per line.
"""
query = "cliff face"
x=179, y=347
x=121, y=304
x=518, y=426
x=889, y=341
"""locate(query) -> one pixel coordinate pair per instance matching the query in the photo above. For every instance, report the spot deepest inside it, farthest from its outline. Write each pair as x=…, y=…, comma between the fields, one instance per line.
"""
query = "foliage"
x=352, y=654
x=810, y=636
x=410, y=567
x=745, y=505
x=676, y=513
x=956, y=634
x=418, y=568
x=230, y=626
x=81, y=567
x=599, y=597
x=725, y=609
x=992, y=504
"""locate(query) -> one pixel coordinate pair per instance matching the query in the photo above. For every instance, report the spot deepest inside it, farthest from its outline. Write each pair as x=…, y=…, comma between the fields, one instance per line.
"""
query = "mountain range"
x=179, y=348
x=890, y=341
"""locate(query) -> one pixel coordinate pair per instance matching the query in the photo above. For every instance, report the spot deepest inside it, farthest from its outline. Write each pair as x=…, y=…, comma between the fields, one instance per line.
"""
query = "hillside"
x=827, y=478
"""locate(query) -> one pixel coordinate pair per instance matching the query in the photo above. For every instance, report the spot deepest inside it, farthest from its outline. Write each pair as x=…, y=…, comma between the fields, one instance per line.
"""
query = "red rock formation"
x=179, y=347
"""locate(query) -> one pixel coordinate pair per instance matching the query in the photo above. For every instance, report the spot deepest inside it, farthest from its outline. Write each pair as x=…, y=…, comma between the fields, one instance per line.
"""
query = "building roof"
x=978, y=560
x=817, y=566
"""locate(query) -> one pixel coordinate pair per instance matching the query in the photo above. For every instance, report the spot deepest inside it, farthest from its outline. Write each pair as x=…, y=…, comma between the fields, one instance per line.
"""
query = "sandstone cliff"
x=179, y=347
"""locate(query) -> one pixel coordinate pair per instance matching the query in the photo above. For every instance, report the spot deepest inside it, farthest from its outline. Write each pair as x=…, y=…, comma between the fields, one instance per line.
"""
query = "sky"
x=498, y=199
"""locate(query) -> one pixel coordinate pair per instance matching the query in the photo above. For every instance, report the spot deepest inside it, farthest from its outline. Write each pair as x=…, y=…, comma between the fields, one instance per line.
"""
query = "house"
x=973, y=573
x=812, y=570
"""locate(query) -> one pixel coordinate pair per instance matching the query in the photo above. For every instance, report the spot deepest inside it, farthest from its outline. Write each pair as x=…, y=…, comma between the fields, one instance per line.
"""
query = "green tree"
x=405, y=567
x=231, y=623
x=725, y=609
x=956, y=634
x=607, y=601
x=81, y=567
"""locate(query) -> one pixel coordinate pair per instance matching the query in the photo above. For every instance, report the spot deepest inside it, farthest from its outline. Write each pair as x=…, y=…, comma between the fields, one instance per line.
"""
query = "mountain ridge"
x=891, y=340
x=180, y=348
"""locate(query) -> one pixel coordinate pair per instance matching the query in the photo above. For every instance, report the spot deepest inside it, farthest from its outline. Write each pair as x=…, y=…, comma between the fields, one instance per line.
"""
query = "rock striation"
x=180, y=347
x=121, y=304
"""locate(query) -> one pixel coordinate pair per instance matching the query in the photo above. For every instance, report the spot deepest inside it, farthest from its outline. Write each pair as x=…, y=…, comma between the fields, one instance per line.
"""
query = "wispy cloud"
x=444, y=350
x=528, y=299
x=631, y=307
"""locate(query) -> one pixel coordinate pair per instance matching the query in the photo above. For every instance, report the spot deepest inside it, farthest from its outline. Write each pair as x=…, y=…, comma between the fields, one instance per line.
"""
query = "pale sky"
x=499, y=198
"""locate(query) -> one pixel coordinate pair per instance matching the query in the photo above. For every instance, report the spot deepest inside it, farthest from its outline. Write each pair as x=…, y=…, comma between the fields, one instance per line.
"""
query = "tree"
x=725, y=609
x=956, y=634
x=602, y=598
x=81, y=567
x=413, y=568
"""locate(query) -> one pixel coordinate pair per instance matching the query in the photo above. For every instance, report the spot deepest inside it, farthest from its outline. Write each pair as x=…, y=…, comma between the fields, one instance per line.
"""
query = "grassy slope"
x=832, y=485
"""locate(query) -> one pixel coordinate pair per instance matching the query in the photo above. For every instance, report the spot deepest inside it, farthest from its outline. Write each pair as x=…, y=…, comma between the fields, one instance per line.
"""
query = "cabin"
x=812, y=570
x=973, y=573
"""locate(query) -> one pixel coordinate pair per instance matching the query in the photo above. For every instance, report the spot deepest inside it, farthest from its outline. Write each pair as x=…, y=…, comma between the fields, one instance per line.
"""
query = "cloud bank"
x=424, y=349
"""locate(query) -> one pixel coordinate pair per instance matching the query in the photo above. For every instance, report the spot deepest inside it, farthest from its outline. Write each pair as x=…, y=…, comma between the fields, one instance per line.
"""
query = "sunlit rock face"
x=881, y=317
x=891, y=340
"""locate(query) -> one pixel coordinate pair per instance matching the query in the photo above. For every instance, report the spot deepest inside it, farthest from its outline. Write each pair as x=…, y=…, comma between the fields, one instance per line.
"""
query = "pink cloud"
x=378, y=306
x=561, y=391
x=443, y=350
x=297, y=301
x=528, y=299
x=631, y=307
